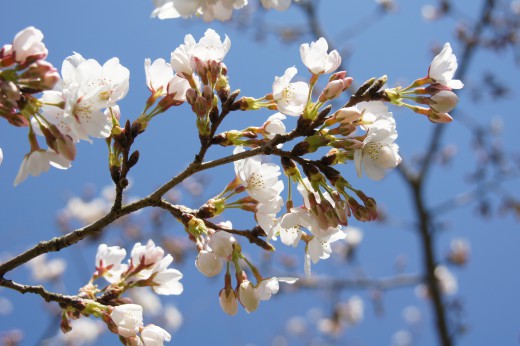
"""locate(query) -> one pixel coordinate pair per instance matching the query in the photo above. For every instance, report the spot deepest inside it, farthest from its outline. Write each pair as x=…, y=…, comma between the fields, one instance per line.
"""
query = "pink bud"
x=332, y=90
x=440, y=118
x=443, y=101
x=348, y=115
x=28, y=46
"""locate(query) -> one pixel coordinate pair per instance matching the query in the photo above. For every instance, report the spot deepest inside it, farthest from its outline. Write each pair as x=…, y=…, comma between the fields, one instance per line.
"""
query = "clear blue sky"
x=397, y=45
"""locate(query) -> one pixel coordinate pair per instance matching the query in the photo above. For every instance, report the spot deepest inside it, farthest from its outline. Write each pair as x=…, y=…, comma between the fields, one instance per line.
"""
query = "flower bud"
x=347, y=115
x=228, y=301
x=208, y=263
x=439, y=117
x=248, y=296
x=443, y=101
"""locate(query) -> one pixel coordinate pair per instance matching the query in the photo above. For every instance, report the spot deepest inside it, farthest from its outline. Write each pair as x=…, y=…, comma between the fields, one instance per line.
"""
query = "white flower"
x=1, y=156
x=28, y=44
x=443, y=67
x=177, y=86
x=447, y=281
x=265, y=215
x=153, y=335
x=379, y=151
x=44, y=270
x=166, y=282
x=181, y=56
x=259, y=179
x=279, y=5
x=266, y=288
x=158, y=75
x=40, y=161
x=209, y=9
x=316, y=58
x=352, y=311
x=274, y=125
x=86, y=89
x=128, y=318
x=210, y=47
x=147, y=255
x=290, y=98
x=208, y=263
x=248, y=296
x=228, y=301
x=108, y=262
x=221, y=244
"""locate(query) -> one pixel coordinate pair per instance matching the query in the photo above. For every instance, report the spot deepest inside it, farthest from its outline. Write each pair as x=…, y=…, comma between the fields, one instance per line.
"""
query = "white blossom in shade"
x=443, y=67
x=289, y=226
x=158, y=75
x=6, y=307
x=221, y=244
x=181, y=56
x=447, y=281
x=86, y=212
x=149, y=301
x=208, y=9
x=28, y=44
x=166, y=9
x=208, y=263
x=279, y=5
x=40, y=161
x=379, y=152
x=85, y=331
x=177, y=87
x=402, y=338
x=210, y=47
x=316, y=58
x=152, y=335
x=459, y=251
x=267, y=287
x=260, y=179
x=46, y=270
x=172, y=317
x=128, y=319
x=290, y=98
x=274, y=125
x=354, y=236
x=352, y=310
x=228, y=301
x=412, y=315
x=443, y=101
x=248, y=296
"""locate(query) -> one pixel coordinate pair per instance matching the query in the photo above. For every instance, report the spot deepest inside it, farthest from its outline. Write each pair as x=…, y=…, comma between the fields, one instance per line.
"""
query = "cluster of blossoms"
x=147, y=266
x=83, y=104
x=441, y=99
x=209, y=10
x=79, y=105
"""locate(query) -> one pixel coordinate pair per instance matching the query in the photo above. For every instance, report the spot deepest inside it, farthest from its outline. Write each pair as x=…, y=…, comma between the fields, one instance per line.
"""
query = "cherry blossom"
x=259, y=179
x=108, y=262
x=379, y=151
x=443, y=67
x=28, y=45
x=316, y=58
x=40, y=161
x=267, y=287
x=290, y=98
x=128, y=319
x=208, y=9
x=274, y=125
x=210, y=47
x=152, y=335
x=221, y=243
x=443, y=101
x=158, y=75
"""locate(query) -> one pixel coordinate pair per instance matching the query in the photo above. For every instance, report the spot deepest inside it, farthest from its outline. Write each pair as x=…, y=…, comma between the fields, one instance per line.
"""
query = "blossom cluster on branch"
x=82, y=104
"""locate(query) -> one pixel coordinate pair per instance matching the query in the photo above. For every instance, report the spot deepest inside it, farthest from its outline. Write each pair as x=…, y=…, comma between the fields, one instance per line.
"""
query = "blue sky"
x=397, y=45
